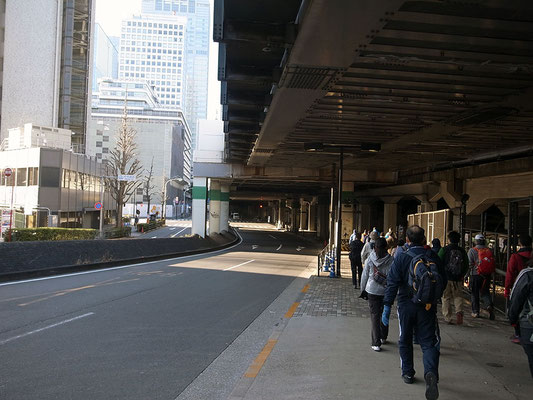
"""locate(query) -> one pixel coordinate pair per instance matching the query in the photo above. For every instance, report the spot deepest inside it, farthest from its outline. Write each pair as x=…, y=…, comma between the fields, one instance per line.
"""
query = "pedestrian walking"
x=356, y=246
x=417, y=278
x=373, y=289
x=455, y=262
x=517, y=263
x=435, y=245
x=482, y=266
x=369, y=246
x=353, y=236
x=521, y=311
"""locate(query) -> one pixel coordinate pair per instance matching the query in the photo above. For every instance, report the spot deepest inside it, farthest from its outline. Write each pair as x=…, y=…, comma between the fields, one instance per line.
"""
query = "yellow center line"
x=292, y=309
x=305, y=289
x=258, y=363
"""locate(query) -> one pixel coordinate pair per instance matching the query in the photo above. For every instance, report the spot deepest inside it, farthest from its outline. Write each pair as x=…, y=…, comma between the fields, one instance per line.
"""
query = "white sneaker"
x=376, y=348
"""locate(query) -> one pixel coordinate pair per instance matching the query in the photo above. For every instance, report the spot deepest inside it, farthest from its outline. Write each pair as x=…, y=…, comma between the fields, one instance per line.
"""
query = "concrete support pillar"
x=364, y=217
x=295, y=214
x=311, y=220
x=347, y=209
x=214, y=206
x=224, y=207
x=304, y=214
x=279, y=222
x=199, y=202
x=390, y=216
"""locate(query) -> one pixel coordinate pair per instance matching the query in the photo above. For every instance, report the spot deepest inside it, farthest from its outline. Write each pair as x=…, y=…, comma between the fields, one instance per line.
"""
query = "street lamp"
x=320, y=146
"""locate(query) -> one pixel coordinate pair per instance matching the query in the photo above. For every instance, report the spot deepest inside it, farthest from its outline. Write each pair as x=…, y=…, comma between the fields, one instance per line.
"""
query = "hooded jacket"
x=517, y=262
x=367, y=280
x=519, y=307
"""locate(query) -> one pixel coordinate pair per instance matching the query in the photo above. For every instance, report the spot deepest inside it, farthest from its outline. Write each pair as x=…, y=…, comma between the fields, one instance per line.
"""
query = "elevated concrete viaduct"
x=429, y=102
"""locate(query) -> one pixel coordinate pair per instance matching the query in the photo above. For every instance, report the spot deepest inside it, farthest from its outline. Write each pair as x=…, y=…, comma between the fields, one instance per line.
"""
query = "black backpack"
x=454, y=261
x=425, y=281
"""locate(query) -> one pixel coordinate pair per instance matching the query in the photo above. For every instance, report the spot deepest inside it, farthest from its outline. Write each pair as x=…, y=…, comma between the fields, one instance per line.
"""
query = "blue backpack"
x=425, y=281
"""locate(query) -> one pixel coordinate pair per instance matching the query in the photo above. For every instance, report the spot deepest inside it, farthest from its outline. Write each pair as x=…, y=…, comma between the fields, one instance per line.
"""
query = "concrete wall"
x=30, y=81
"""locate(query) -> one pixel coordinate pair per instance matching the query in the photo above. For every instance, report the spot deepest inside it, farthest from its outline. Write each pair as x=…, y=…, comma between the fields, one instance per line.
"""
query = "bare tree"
x=148, y=187
x=123, y=161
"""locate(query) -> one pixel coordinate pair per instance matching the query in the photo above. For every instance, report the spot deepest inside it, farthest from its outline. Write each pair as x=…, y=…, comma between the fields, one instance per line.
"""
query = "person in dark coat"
x=521, y=310
x=356, y=246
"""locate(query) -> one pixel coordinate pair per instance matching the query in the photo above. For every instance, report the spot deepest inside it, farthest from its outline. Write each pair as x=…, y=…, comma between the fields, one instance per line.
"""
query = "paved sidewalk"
x=323, y=352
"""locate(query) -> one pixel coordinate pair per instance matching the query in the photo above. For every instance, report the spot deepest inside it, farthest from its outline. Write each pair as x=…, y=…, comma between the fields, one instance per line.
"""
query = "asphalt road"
x=139, y=332
x=173, y=228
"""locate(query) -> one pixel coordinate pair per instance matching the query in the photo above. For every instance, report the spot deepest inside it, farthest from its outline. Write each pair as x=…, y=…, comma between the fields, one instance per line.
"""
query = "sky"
x=110, y=13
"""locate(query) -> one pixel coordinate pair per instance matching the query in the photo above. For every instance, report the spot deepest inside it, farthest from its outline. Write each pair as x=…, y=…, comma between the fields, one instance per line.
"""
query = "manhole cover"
x=495, y=365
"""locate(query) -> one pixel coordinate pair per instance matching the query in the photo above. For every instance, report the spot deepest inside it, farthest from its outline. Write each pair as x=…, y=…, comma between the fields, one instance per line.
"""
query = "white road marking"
x=154, y=237
x=239, y=265
x=45, y=328
x=254, y=246
x=171, y=229
x=272, y=236
x=177, y=233
x=300, y=248
x=280, y=246
x=171, y=260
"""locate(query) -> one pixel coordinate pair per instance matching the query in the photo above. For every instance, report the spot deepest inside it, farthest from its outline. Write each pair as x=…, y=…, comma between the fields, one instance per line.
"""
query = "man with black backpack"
x=418, y=279
x=482, y=266
x=456, y=265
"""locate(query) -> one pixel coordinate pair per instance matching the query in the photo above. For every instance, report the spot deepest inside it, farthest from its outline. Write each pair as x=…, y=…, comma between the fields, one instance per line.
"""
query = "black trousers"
x=480, y=287
x=379, y=331
x=526, y=336
x=357, y=270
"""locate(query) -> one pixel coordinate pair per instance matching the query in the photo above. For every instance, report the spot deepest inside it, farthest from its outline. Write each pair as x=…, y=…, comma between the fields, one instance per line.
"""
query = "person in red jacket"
x=517, y=263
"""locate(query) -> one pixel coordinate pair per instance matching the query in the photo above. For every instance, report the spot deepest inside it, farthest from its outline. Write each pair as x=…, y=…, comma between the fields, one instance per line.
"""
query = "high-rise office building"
x=196, y=58
x=151, y=50
x=163, y=137
x=47, y=63
x=105, y=57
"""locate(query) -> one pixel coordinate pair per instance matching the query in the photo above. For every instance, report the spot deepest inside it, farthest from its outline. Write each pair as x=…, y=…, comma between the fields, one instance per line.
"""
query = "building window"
x=50, y=177
x=98, y=144
x=33, y=176
x=105, y=150
x=22, y=176
x=106, y=138
x=99, y=132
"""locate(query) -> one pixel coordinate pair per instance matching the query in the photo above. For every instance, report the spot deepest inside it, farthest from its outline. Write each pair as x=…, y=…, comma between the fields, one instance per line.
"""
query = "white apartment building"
x=48, y=179
x=163, y=136
x=152, y=50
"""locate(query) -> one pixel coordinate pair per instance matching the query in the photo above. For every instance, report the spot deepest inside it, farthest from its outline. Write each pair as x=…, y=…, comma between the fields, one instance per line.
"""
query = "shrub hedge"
x=31, y=234
x=114, y=233
x=141, y=227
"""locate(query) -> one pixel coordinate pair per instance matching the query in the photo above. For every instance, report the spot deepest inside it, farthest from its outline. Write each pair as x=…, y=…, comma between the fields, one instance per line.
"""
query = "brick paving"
x=331, y=297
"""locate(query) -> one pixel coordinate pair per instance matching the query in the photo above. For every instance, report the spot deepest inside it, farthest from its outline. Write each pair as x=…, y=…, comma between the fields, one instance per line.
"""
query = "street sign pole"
x=101, y=230
x=7, y=173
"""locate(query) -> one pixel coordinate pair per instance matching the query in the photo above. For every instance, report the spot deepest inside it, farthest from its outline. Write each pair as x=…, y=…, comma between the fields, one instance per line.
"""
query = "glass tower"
x=196, y=57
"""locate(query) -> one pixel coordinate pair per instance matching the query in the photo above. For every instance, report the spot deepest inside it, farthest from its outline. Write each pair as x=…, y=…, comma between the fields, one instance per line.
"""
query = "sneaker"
x=376, y=348
x=408, y=379
x=459, y=318
x=384, y=341
x=432, y=390
x=490, y=309
x=515, y=339
x=475, y=315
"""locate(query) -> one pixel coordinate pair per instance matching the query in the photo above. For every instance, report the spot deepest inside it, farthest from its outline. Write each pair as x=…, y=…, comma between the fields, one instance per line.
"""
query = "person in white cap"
x=482, y=266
